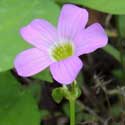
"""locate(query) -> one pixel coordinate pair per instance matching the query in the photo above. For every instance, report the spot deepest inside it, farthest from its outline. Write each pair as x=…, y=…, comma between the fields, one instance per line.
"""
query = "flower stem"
x=72, y=111
x=71, y=95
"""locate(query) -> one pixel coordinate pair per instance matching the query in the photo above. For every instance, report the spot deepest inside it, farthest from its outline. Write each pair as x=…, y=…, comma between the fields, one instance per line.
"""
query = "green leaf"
x=45, y=114
x=109, y=6
x=113, y=52
x=17, y=105
x=75, y=92
x=118, y=74
x=116, y=123
x=121, y=26
x=15, y=14
x=80, y=79
x=44, y=75
x=116, y=110
x=66, y=109
x=35, y=89
x=57, y=94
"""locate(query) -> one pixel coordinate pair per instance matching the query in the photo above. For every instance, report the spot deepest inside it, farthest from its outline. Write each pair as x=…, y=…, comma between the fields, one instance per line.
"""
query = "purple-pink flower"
x=59, y=47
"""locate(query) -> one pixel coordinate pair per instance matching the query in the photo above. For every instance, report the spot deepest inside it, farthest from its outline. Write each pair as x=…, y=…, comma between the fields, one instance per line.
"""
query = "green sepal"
x=77, y=92
x=68, y=93
x=58, y=94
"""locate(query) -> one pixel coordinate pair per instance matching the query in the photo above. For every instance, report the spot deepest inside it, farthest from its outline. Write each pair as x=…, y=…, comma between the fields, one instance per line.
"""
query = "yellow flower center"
x=62, y=51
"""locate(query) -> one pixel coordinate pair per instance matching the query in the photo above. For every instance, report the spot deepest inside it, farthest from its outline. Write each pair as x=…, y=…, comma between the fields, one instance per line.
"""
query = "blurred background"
x=28, y=101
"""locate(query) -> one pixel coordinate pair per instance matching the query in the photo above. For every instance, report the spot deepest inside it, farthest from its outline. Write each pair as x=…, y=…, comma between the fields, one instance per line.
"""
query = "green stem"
x=71, y=95
x=72, y=111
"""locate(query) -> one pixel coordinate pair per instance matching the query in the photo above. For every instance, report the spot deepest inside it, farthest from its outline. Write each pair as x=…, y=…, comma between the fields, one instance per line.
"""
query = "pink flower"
x=59, y=48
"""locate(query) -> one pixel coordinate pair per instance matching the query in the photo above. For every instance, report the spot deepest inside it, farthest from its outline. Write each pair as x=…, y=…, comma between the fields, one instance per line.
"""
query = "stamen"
x=62, y=51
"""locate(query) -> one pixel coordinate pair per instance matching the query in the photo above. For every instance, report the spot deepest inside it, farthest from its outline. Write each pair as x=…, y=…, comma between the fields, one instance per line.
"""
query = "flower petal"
x=31, y=61
x=90, y=39
x=66, y=71
x=72, y=20
x=39, y=33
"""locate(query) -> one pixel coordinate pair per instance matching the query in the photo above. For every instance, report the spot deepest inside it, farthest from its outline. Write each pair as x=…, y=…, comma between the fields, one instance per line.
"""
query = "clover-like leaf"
x=17, y=104
x=109, y=6
x=15, y=14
